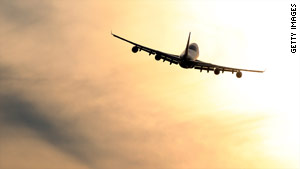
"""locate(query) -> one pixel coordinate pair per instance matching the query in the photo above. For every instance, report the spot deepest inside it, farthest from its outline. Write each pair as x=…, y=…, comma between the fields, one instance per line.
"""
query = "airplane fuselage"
x=188, y=57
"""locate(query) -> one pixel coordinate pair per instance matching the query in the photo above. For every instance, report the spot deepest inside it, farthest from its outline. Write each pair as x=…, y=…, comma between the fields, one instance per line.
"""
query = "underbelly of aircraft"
x=186, y=64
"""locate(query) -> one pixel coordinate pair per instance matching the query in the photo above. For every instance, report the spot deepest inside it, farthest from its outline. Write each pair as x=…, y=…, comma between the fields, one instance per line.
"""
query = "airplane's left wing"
x=158, y=54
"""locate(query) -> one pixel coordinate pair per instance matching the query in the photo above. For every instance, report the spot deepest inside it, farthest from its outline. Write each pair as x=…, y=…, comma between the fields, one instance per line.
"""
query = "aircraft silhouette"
x=187, y=59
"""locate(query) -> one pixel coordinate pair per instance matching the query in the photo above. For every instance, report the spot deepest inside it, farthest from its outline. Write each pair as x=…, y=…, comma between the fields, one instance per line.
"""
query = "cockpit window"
x=193, y=47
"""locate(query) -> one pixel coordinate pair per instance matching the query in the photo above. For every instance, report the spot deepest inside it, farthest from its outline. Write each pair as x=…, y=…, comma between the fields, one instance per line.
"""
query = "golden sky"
x=73, y=96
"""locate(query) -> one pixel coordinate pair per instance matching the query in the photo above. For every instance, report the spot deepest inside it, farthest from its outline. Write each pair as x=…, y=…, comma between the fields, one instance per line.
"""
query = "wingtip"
x=112, y=33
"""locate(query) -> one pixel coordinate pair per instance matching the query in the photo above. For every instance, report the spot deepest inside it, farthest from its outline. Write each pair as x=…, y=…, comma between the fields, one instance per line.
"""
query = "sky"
x=73, y=96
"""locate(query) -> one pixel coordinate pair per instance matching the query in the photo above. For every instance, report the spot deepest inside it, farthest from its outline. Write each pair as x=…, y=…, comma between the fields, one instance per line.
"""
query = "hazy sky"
x=72, y=96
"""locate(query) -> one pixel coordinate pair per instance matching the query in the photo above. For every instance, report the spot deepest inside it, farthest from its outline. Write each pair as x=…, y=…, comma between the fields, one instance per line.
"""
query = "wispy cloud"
x=24, y=14
x=17, y=112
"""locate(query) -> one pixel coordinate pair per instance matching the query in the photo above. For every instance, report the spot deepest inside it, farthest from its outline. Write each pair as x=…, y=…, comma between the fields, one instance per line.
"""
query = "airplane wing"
x=208, y=66
x=159, y=55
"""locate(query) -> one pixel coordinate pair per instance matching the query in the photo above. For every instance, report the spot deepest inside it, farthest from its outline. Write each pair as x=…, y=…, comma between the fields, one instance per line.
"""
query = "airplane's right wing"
x=158, y=54
x=212, y=67
x=209, y=66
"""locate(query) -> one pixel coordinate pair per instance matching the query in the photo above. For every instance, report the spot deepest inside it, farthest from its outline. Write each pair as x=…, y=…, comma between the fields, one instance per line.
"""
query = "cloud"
x=26, y=102
x=37, y=79
x=24, y=14
x=18, y=112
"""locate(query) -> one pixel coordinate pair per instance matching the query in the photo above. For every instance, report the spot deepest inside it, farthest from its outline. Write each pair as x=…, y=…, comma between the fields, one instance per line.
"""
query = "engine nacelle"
x=217, y=71
x=157, y=57
x=238, y=74
x=134, y=49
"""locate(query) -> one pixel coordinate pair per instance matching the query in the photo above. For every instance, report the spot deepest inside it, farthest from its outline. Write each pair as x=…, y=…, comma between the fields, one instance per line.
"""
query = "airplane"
x=187, y=59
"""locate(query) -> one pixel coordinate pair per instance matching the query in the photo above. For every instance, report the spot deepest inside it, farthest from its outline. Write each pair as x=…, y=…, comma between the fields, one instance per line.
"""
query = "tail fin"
x=187, y=46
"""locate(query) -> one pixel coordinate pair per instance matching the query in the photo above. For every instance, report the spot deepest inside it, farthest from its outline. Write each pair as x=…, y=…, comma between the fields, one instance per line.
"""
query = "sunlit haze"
x=73, y=96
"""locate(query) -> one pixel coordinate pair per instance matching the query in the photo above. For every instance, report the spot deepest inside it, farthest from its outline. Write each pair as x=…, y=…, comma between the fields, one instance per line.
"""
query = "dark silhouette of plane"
x=187, y=59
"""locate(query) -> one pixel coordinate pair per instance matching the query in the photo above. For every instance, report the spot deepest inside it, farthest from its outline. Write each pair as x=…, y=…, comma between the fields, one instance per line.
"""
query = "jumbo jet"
x=187, y=59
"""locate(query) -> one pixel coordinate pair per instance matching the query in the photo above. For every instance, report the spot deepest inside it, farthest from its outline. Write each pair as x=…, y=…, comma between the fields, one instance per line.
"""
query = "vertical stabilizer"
x=187, y=46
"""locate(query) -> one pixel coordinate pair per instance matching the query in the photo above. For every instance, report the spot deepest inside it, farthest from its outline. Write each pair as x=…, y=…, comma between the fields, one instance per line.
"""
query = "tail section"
x=187, y=46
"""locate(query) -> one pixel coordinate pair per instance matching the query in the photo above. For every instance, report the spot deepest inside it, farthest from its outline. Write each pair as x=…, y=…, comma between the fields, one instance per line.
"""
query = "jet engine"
x=217, y=71
x=238, y=74
x=157, y=57
x=134, y=49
